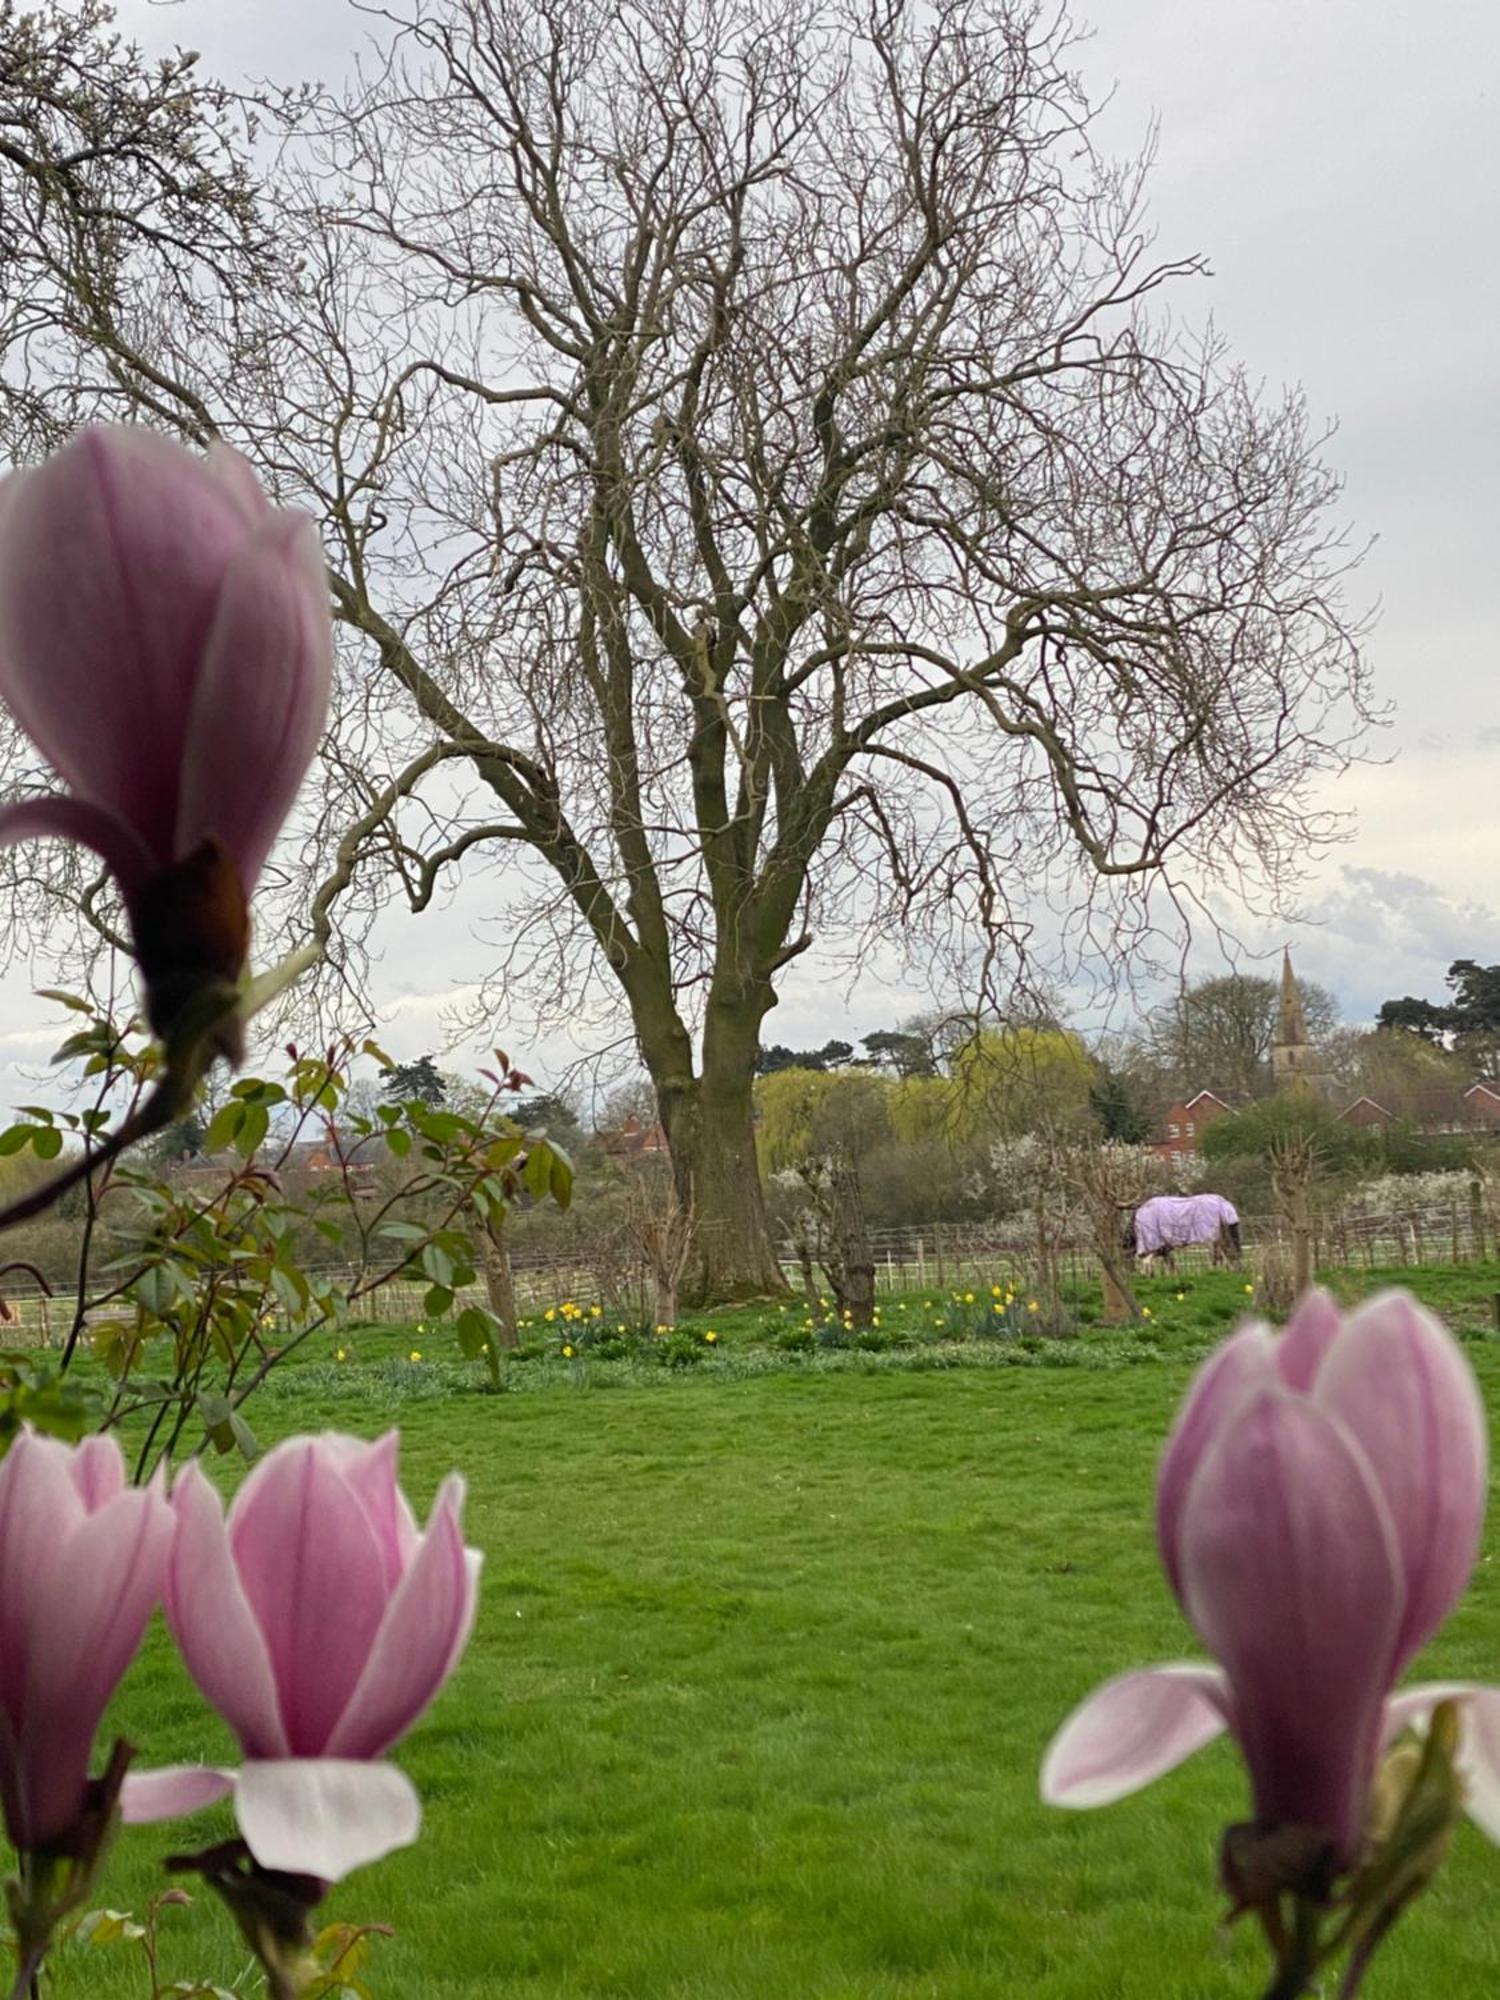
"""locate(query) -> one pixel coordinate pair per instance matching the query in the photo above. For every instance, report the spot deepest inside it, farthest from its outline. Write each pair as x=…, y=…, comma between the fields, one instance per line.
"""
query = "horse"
x=1170, y=1222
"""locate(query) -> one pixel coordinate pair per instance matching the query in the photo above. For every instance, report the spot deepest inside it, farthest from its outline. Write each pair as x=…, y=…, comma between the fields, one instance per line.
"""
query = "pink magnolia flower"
x=320, y=1623
x=1318, y=1509
x=81, y=1563
x=165, y=642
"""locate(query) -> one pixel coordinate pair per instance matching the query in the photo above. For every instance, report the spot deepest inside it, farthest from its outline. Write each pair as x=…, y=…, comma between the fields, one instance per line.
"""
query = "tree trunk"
x=711, y=1136
x=709, y=1121
x=499, y=1281
x=856, y=1260
x=1120, y=1304
x=1299, y=1216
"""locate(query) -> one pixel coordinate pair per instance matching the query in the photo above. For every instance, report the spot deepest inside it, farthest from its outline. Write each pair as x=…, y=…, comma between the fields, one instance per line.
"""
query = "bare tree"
x=1217, y=1034
x=835, y=1232
x=764, y=500
x=660, y=1230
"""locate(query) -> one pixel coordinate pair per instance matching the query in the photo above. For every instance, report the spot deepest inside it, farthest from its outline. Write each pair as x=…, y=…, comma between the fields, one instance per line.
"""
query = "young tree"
x=763, y=499
x=1305, y=1144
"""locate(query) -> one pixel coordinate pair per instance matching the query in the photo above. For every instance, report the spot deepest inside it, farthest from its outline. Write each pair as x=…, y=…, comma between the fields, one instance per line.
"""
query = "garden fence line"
x=939, y=1257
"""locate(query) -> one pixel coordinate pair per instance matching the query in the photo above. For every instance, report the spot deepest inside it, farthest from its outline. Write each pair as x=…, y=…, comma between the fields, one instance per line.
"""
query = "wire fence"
x=939, y=1257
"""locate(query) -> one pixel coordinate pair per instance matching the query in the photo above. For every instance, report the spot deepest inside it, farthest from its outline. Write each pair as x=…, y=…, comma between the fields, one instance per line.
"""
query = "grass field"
x=766, y=1660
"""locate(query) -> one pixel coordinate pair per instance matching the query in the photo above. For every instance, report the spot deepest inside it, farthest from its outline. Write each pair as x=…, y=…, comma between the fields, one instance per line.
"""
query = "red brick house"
x=1365, y=1113
x=1183, y=1124
x=634, y=1141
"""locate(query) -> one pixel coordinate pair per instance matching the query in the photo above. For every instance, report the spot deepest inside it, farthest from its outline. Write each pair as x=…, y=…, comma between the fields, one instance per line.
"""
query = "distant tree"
x=182, y=1141
x=635, y=1099
x=420, y=1081
x=1469, y=1023
x=1119, y=1114
x=1010, y=1081
x=1427, y=1018
x=832, y=1055
x=907, y=1051
x=1218, y=1033
x=1403, y=1071
x=551, y=1112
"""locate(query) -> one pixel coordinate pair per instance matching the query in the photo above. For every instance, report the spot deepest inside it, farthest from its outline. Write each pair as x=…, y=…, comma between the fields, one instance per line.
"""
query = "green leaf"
x=399, y=1142
x=254, y=1125
x=156, y=1290
x=218, y=1422
x=14, y=1138
x=223, y=1127
x=118, y=1343
x=47, y=1143
x=438, y=1264
x=244, y=1437
x=69, y=1000
x=290, y=1288
x=437, y=1301
x=476, y=1328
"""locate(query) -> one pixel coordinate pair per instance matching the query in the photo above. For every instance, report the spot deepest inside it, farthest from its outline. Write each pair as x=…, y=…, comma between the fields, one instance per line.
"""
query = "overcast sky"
x=1336, y=161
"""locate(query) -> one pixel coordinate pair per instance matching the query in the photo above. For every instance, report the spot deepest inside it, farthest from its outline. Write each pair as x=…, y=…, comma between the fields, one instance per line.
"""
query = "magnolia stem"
x=1299, y=1965
x=1363, y=1954
x=30, y=1965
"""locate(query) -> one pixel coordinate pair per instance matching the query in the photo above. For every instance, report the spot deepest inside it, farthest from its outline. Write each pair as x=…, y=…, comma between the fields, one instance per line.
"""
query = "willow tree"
x=766, y=498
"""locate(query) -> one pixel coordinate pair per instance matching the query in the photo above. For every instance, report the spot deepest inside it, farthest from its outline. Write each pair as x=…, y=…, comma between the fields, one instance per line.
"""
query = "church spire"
x=1294, y=1060
x=1291, y=1022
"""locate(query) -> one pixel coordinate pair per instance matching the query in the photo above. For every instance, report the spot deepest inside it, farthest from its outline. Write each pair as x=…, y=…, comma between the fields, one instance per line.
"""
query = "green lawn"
x=764, y=1668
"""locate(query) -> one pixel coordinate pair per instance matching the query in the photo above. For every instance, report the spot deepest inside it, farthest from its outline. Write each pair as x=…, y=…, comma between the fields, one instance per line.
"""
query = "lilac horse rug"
x=1173, y=1221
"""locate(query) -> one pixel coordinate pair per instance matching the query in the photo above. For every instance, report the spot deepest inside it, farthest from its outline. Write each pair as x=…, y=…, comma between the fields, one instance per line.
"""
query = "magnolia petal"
x=1306, y=1338
x=1220, y=1385
x=1131, y=1731
x=172, y=1792
x=324, y=1816
x=1292, y=1580
x=262, y=697
x=310, y=1566
x=370, y=1470
x=98, y=1469
x=112, y=553
x=92, y=1613
x=40, y=1509
x=425, y=1628
x=1399, y=1382
x=116, y=843
x=213, y=1623
x=238, y=476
